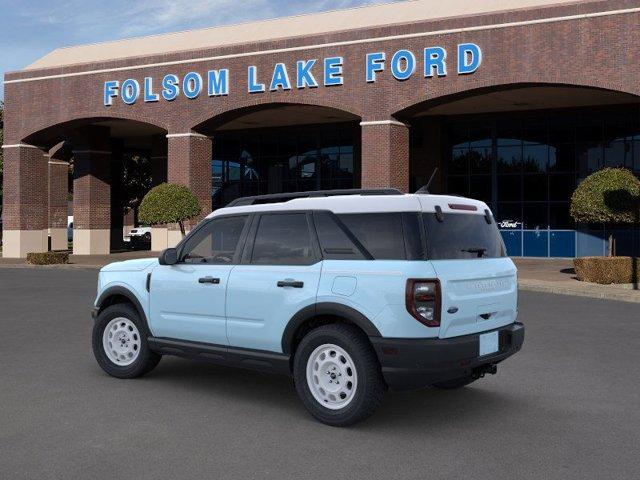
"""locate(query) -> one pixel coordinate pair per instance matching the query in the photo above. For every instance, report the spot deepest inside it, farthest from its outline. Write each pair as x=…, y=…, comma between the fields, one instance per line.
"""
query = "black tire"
x=146, y=360
x=370, y=386
x=455, y=383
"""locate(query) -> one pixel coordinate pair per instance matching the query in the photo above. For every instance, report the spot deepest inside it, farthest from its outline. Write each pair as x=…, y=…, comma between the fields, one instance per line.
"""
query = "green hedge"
x=607, y=270
x=48, y=258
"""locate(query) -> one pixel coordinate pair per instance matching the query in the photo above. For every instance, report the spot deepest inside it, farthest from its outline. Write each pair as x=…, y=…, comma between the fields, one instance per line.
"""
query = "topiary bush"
x=48, y=258
x=609, y=195
x=607, y=270
x=169, y=203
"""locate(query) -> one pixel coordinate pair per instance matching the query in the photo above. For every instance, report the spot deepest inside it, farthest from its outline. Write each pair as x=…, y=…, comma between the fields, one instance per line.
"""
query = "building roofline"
x=309, y=24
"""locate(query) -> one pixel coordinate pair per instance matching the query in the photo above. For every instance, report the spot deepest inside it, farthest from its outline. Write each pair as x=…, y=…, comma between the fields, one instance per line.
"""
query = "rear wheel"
x=337, y=375
x=120, y=343
x=455, y=383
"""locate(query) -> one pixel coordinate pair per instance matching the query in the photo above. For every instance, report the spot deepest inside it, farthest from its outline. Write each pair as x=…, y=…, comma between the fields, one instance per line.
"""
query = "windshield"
x=462, y=236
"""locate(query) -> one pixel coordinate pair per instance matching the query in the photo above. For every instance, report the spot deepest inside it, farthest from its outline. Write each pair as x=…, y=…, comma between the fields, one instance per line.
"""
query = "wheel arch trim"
x=326, y=308
x=124, y=292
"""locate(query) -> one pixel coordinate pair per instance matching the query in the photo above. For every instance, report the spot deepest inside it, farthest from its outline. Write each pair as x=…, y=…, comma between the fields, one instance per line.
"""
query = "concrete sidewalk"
x=534, y=274
x=558, y=276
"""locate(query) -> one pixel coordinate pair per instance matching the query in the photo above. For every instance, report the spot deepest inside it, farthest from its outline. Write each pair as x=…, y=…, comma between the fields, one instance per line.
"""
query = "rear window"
x=462, y=236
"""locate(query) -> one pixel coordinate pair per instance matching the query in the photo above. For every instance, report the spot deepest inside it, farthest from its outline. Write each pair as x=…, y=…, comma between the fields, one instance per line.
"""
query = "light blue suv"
x=349, y=292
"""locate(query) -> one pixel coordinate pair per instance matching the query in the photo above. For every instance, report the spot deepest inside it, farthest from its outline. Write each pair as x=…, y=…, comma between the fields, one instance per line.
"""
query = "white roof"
x=363, y=204
x=279, y=28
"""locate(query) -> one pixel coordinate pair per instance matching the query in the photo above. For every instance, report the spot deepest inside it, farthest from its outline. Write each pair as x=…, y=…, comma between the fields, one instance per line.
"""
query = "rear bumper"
x=409, y=363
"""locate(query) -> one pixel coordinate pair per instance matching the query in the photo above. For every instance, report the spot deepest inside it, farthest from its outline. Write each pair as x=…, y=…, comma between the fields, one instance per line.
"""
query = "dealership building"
x=513, y=101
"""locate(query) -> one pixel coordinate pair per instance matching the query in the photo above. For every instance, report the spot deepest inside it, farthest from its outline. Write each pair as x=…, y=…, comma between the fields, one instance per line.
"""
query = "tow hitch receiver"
x=483, y=370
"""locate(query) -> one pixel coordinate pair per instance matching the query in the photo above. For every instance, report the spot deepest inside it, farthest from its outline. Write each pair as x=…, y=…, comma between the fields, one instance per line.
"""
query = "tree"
x=609, y=196
x=169, y=203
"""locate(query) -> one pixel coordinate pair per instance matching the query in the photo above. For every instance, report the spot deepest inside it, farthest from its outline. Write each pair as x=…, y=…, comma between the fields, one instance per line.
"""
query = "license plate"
x=489, y=343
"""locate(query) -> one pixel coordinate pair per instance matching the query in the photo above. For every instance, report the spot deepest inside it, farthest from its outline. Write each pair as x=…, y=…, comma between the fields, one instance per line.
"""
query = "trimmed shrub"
x=169, y=203
x=48, y=258
x=610, y=195
x=607, y=270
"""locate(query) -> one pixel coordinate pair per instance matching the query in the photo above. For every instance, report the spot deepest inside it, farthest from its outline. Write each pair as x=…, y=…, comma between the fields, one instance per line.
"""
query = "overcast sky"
x=31, y=28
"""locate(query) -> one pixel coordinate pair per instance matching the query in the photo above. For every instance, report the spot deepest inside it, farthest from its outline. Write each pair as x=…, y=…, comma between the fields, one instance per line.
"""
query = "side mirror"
x=168, y=257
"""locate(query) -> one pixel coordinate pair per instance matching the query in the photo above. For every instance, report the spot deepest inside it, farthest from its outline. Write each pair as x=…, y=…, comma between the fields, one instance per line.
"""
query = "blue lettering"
x=403, y=64
x=192, y=85
x=149, y=96
x=218, y=82
x=170, y=87
x=280, y=78
x=254, y=86
x=130, y=91
x=110, y=92
x=434, y=57
x=469, y=58
x=333, y=71
x=304, y=77
x=375, y=63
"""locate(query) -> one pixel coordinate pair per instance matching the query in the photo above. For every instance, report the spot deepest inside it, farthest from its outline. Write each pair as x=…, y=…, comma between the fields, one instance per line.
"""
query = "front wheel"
x=120, y=343
x=337, y=375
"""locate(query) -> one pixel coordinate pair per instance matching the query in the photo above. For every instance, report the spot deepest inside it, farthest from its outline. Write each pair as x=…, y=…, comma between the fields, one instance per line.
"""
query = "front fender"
x=125, y=291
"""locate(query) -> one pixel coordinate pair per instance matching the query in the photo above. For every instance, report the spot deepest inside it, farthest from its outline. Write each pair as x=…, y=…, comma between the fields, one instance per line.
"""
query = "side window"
x=283, y=239
x=380, y=233
x=334, y=242
x=216, y=243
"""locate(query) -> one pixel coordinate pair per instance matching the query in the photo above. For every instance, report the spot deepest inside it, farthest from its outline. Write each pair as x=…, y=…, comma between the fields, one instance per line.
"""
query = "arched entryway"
x=102, y=166
x=277, y=148
x=523, y=149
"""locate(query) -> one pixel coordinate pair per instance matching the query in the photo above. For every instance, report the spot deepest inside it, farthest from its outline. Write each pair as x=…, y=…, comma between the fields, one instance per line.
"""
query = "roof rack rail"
x=285, y=197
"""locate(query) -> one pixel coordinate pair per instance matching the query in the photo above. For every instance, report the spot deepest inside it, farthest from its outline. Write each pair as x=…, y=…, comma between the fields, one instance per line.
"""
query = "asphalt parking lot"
x=565, y=407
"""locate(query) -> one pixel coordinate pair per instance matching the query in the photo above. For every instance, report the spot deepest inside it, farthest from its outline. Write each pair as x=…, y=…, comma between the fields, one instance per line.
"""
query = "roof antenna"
x=425, y=188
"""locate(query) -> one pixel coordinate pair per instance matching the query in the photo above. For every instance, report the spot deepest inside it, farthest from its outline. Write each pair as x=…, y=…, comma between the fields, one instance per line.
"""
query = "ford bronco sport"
x=349, y=292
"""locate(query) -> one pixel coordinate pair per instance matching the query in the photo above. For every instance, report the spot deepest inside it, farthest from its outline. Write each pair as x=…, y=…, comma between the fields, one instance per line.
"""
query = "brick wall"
x=596, y=51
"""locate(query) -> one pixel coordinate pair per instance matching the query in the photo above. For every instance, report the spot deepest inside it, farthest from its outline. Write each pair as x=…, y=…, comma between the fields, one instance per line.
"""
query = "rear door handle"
x=211, y=280
x=290, y=283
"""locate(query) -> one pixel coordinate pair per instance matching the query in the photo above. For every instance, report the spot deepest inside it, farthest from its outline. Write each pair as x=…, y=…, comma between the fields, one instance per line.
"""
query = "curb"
x=630, y=296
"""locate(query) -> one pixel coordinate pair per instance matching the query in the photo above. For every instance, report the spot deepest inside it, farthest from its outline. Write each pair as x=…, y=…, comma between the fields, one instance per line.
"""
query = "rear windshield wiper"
x=479, y=251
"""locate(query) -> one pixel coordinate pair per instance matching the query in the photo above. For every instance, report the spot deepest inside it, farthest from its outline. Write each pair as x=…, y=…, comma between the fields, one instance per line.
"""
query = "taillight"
x=423, y=301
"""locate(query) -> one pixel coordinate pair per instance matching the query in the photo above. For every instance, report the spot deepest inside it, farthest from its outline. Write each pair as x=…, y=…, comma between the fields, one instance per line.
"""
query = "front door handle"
x=211, y=280
x=290, y=283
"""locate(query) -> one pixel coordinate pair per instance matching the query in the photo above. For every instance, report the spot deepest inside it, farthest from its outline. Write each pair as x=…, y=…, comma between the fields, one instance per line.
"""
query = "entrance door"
x=188, y=299
x=279, y=277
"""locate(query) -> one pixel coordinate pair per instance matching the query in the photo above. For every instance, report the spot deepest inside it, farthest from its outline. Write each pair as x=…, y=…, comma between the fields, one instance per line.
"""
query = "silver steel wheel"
x=121, y=341
x=331, y=376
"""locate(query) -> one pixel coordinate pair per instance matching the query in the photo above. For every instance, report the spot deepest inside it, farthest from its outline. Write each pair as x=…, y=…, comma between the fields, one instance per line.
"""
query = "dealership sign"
x=309, y=73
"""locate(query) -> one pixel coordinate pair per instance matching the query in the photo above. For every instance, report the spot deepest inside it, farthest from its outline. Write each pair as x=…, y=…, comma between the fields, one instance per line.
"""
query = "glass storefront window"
x=535, y=187
x=509, y=188
x=619, y=153
x=480, y=159
x=535, y=160
x=510, y=159
x=256, y=162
